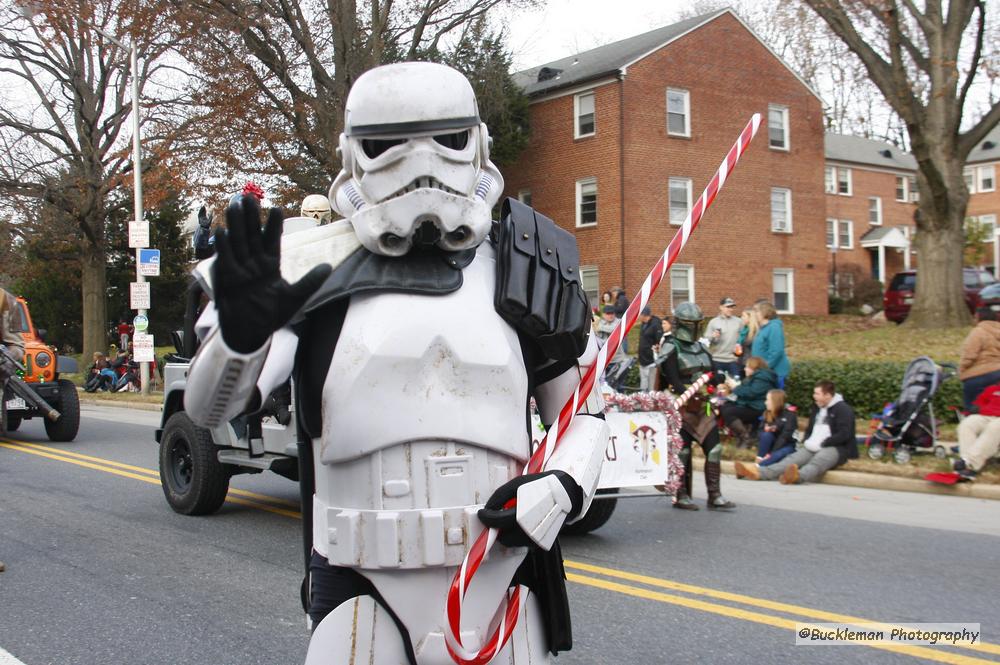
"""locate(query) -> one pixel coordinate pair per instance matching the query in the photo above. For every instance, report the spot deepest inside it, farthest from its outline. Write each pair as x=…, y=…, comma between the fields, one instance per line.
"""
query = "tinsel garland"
x=662, y=402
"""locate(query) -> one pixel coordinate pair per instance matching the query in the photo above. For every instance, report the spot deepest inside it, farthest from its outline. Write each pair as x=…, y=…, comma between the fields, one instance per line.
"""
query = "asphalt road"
x=100, y=570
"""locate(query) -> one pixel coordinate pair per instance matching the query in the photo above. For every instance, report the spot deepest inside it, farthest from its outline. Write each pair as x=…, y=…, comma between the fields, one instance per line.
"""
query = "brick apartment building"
x=870, y=200
x=984, y=197
x=625, y=136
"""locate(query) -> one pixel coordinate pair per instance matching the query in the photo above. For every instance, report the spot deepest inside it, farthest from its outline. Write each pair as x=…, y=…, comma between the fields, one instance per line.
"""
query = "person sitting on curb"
x=979, y=434
x=777, y=436
x=980, y=363
x=829, y=442
x=744, y=404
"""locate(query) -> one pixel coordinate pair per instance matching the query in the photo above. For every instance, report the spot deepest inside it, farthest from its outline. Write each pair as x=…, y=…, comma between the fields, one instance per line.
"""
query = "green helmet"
x=689, y=322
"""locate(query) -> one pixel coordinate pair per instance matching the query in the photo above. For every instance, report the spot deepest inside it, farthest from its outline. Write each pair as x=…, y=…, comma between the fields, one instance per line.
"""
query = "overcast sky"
x=565, y=27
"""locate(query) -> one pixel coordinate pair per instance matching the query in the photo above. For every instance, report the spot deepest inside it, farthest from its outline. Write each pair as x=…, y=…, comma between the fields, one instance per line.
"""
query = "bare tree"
x=273, y=75
x=64, y=119
x=914, y=56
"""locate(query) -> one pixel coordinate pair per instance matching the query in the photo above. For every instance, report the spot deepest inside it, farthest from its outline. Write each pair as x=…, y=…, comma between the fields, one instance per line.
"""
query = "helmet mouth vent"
x=423, y=182
x=427, y=233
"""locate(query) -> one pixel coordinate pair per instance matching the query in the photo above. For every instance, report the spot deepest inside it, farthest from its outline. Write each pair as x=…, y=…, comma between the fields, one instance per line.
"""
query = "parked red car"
x=899, y=296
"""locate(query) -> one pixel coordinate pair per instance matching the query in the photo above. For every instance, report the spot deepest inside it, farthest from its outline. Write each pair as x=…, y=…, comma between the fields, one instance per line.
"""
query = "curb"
x=142, y=406
x=877, y=481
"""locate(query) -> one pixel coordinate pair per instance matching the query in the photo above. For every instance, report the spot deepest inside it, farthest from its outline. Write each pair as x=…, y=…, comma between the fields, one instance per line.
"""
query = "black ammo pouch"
x=538, y=281
x=543, y=573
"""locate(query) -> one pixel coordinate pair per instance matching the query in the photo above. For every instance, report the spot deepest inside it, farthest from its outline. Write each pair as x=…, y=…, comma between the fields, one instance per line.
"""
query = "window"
x=988, y=224
x=524, y=196
x=913, y=191
x=590, y=283
x=781, y=210
x=986, y=182
x=831, y=180
x=19, y=322
x=678, y=112
x=681, y=285
x=969, y=174
x=586, y=202
x=680, y=199
x=839, y=234
x=901, y=183
x=875, y=210
x=583, y=111
x=783, y=290
x=844, y=181
x=777, y=127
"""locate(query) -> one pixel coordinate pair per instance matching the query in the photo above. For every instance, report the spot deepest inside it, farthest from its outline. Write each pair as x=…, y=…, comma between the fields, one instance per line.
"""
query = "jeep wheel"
x=68, y=425
x=597, y=515
x=13, y=422
x=194, y=481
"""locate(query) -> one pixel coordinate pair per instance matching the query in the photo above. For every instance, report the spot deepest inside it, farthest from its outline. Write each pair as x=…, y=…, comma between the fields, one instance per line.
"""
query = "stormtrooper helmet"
x=416, y=167
x=316, y=206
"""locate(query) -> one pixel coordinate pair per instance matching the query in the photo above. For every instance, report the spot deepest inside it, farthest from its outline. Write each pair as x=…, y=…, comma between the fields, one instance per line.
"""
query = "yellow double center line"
x=651, y=589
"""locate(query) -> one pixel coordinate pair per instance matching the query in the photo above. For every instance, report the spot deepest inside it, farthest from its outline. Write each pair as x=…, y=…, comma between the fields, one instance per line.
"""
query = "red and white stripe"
x=460, y=584
x=698, y=384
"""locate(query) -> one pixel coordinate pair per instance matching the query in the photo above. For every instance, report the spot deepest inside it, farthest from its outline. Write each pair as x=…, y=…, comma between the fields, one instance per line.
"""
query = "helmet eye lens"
x=375, y=147
x=454, y=141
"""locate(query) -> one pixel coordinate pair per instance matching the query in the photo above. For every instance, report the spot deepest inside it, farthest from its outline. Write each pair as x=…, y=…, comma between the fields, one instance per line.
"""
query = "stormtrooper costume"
x=415, y=344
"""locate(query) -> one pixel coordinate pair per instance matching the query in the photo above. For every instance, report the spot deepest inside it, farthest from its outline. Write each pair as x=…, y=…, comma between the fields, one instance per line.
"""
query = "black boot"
x=739, y=430
x=713, y=475
x=682, y=500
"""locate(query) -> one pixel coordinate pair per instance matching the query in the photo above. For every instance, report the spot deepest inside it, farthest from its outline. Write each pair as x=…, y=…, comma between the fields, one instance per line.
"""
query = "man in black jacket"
x=829, y=442
x=649, y=336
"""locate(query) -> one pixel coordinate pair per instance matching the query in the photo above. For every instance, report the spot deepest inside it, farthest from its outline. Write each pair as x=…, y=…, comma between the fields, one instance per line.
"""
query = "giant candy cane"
x=460, y=584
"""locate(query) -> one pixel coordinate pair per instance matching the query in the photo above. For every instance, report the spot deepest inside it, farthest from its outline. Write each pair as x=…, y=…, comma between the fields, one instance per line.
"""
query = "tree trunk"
x=940, y=300
x=95, y=308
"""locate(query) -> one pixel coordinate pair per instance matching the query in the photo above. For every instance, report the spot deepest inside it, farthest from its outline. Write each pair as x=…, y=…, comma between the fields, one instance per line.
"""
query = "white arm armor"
x=221, y=381
x=580, y=453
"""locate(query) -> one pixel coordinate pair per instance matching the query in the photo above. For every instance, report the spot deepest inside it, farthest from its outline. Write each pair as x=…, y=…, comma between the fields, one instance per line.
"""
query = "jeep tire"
x=68, y=424
x=194, y=481
x=597, y=515
x=13, y=422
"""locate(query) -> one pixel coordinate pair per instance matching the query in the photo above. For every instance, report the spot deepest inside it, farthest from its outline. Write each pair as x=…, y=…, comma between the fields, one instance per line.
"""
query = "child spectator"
x=777, y=436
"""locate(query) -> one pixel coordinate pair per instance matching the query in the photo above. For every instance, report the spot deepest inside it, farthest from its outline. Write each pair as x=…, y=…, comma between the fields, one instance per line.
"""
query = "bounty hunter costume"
x=688, y=360
x=413, y=363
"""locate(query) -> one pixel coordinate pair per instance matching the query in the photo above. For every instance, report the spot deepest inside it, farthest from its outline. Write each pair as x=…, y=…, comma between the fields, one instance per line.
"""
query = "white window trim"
x=584, y=270
x=790, y=272
x=689, y=267
x=878, y=200
x=576, y=114
x=979, y=179
x=974, y=173
x=687, y=112
x=784, y=125
x=906, y=189
x=850, y=234
x=689, y=202
x=788, y=210
x=828, y=221
x=833, y=180
x=850, y=181
x=579, y=201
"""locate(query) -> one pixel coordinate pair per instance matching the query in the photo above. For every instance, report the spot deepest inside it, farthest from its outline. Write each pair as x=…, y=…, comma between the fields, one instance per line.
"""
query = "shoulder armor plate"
x=538, y=281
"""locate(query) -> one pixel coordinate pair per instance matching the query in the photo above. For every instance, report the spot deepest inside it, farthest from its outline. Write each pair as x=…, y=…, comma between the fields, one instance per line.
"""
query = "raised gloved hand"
x=544, y=502
x=252, y=298
x=203, y=219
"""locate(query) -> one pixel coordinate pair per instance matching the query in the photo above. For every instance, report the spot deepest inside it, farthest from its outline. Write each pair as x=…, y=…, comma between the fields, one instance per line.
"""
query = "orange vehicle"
x=40, y=370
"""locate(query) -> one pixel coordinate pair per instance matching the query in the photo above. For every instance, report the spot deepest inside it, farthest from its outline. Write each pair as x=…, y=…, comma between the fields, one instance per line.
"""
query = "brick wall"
x=729, y=76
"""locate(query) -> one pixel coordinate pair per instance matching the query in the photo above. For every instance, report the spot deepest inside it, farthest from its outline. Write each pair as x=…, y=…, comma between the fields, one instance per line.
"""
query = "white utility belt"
x=420, y=538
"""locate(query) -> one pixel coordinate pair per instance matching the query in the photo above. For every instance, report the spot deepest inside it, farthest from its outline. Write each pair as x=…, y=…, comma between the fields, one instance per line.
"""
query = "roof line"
x=712, y=17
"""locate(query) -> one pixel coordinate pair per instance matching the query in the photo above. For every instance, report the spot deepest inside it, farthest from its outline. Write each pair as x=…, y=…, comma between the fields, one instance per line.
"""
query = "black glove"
x=252, y=298
x=495, y=516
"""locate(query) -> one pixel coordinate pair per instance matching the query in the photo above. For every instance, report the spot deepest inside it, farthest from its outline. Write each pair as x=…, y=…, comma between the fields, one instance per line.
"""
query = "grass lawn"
x=844, y=336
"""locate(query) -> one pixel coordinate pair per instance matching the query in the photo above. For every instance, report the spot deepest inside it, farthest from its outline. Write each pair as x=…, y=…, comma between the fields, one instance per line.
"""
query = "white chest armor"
x=424, y=415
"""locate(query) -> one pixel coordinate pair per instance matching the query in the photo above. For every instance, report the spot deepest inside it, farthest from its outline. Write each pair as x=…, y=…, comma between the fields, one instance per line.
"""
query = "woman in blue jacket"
x=769, y=343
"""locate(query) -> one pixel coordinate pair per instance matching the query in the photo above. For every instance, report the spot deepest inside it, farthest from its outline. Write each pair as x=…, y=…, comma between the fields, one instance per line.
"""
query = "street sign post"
x=149, y=262
x=138, y=234
x=139, y=296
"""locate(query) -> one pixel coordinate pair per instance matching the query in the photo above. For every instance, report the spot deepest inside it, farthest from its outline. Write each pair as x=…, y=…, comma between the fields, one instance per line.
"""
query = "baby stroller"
x=908, y=424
